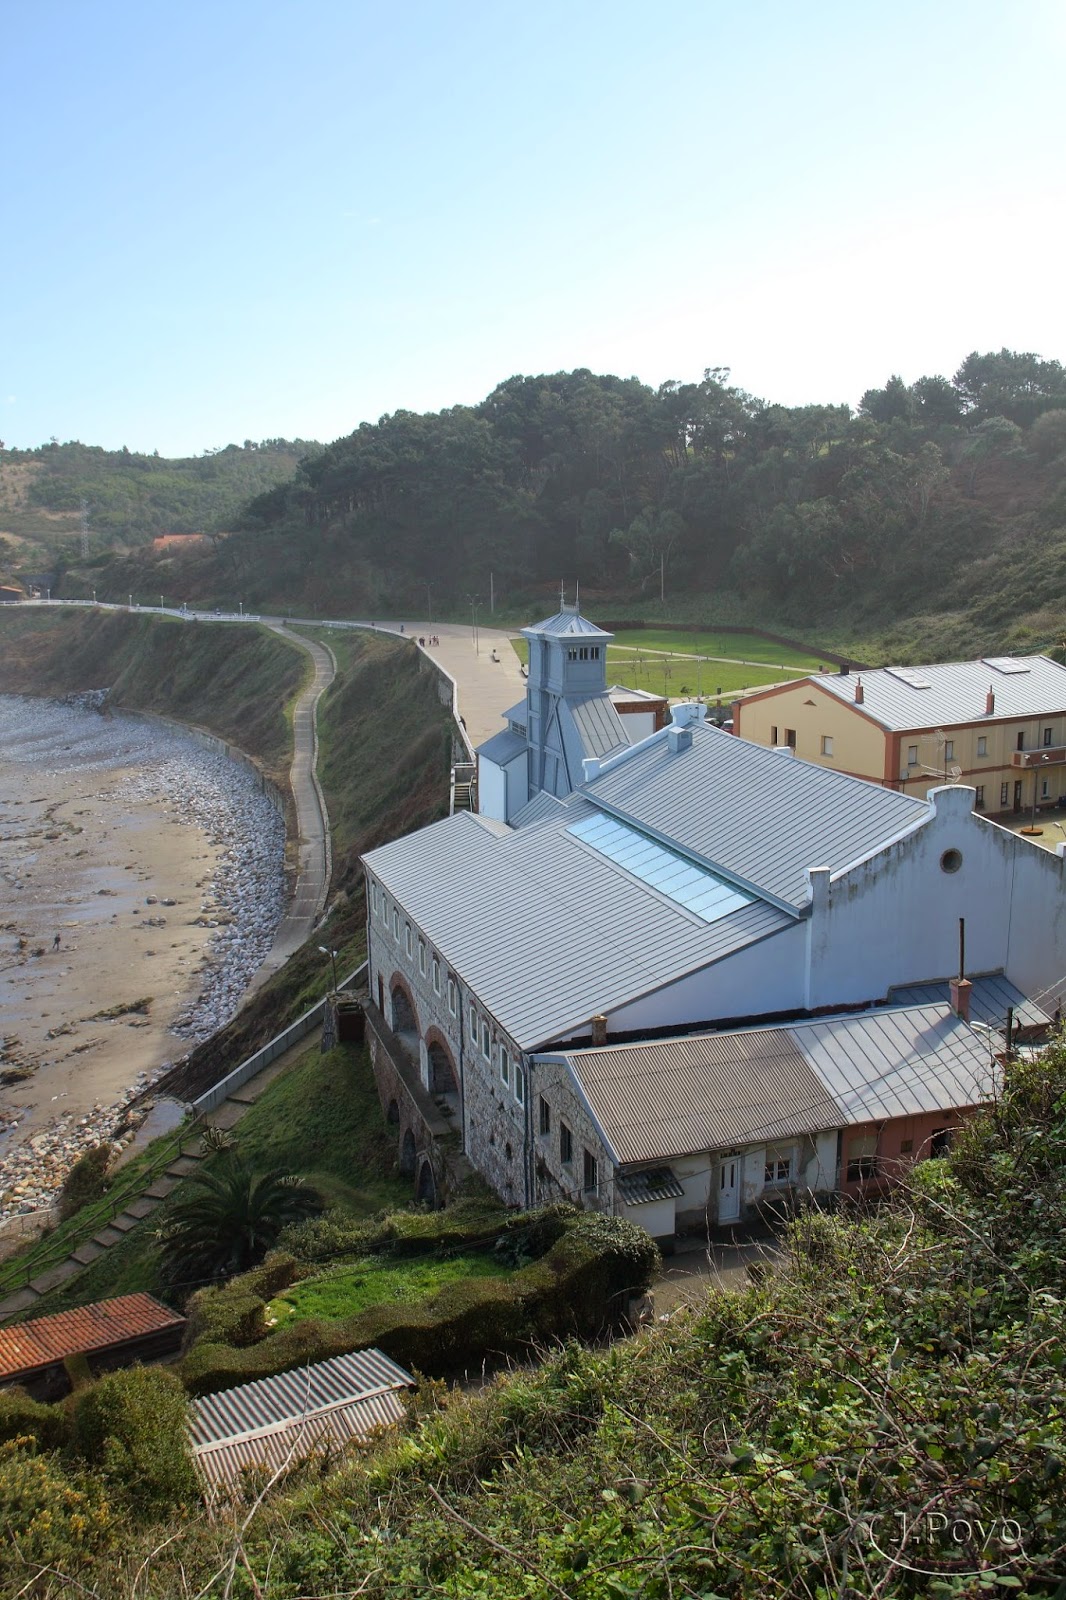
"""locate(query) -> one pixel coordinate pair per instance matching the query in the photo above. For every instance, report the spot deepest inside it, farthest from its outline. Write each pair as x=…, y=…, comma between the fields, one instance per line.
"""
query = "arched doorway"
x=408, y=1155
x=403, y=1016
x=393, y=1114
x=441, y=1072
x=426, y=1191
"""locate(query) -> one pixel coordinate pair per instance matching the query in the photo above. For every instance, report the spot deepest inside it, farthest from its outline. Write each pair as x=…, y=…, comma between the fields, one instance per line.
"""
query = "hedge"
x=577, y=1288
x=467, y=1222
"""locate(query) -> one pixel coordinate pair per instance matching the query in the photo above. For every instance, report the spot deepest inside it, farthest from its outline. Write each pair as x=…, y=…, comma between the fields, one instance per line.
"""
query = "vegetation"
x=229, y=1216
x=344, y=1291
x=886, y=1415
x=85, y=1182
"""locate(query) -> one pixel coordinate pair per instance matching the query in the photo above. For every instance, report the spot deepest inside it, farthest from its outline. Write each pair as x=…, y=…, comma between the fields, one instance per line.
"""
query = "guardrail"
x=269, y=1052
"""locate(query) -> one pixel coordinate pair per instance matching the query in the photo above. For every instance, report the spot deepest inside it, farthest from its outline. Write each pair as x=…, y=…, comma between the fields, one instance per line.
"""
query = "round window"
x=951, y=861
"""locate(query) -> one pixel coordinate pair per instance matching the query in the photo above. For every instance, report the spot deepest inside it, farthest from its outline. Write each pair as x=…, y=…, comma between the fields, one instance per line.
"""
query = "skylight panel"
x=1007, y=664
x=910, y=677
x=694, y=888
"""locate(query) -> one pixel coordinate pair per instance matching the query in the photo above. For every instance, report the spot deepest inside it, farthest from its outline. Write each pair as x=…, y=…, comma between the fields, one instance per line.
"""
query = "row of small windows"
x=590, y=1177
x=583, y=652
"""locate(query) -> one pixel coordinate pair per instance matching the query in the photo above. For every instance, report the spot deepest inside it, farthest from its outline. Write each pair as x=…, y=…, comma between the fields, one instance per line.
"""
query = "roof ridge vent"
x=678, y=738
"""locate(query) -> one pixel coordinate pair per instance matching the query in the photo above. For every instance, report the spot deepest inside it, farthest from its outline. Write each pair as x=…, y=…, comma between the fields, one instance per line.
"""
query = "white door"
x=729, y=1189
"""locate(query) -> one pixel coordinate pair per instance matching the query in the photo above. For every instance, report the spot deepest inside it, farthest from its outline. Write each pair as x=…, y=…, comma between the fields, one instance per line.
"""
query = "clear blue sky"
x=228, y=220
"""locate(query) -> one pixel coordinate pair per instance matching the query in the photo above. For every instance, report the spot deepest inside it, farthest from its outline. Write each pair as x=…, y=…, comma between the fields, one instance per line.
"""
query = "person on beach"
x=55, y=942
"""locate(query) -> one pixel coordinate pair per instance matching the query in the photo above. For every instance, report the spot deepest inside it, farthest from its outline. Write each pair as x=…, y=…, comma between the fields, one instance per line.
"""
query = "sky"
x=225, y=221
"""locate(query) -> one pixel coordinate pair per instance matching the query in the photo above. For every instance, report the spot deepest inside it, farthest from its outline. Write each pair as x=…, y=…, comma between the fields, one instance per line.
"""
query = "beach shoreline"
x=141, y=880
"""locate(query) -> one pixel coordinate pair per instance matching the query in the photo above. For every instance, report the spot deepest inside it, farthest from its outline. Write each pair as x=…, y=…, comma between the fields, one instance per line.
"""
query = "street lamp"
x=475, y=607
x=131, y=602
x=333, y=954
x=160, y=602
x=240, y=609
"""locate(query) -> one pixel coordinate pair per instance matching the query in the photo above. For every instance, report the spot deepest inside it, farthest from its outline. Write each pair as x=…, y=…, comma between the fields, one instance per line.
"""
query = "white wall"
x=894, y=919
x=767, y=976
x=638, y=725
x=491, y=789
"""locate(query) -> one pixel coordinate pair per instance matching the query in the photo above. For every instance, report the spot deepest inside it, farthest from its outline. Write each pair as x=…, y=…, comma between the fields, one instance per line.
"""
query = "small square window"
x=912, y=755
x=436, y=976
x=486, y=1041
x=422, y=957
x=982, y=746
x=777, y=1168
x=566, y=1145
x=590, y=1175
x=545, y=1123
x=906, y=1146
x=862, y=1157
x=827, y=744
x=505, y=1066
x=520, y=1083
x=453, y=997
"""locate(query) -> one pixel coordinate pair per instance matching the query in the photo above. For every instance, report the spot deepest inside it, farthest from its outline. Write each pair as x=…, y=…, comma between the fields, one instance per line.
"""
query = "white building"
x=692, y=881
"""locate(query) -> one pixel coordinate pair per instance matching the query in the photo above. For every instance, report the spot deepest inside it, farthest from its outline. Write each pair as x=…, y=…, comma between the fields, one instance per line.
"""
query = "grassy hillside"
x=234, y=681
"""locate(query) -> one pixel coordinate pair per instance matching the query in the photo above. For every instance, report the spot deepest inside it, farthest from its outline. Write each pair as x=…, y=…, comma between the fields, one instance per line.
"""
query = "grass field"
x=725, y=646
x=345, y=1291
x=681, y=665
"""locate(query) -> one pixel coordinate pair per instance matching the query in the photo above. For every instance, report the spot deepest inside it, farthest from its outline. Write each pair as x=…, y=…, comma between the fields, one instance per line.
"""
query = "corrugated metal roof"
x=601, y=730
x=294, y=1413
x=899, y=1062
x=956, y=692
x=496, y=909
x=618, y=691
x=651, y=1183
x=30, y=1345
x=751, y=813
x=675, y=1097
x=991, y=998
x=569, y=622
x=503, y=747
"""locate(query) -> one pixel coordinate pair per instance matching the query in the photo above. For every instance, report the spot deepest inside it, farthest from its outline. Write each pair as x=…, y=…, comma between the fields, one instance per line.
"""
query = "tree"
x=231, y=1217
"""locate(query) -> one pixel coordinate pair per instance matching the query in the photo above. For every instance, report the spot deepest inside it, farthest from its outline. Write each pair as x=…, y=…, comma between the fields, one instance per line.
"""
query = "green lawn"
x=344, y=1291
x=670, y=670
x=729, y=646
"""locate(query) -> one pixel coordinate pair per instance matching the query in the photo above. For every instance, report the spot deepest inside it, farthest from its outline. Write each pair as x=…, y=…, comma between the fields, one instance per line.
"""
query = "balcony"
x=1044, y=756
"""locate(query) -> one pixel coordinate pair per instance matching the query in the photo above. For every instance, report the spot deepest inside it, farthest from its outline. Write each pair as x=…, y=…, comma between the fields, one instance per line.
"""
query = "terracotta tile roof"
x=38, y=1343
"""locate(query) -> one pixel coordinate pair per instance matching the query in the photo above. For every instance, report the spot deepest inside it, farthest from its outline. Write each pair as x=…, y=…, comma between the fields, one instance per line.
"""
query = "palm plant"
x=231, y=1217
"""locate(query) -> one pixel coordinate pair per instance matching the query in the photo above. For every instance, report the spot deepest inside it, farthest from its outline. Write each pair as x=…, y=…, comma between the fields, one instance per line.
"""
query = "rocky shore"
x=168, y=786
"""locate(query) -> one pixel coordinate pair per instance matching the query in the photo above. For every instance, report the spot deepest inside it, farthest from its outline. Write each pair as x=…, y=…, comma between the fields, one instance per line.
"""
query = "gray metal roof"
x=601, y=729
x=568, y=623
x=991, y=998
x=898, y=1062
x=542, y=806
x=673, y=1097
x=502, y=748
x=547, y=933
x=288, y=1416
x=618, y=691
x=753, y=814
x=651, y=1183
x=957, y=691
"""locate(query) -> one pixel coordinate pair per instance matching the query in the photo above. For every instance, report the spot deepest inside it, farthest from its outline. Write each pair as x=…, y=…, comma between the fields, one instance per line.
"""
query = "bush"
x=46, y=1516
x=85, y=1182
x=579, y=1287
x=472, y=1221
x=236, y=1313
x=131, y=1426
x=23, y=1417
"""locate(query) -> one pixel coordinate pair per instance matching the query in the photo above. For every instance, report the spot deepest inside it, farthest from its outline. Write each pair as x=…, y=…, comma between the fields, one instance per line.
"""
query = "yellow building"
x=998, y=725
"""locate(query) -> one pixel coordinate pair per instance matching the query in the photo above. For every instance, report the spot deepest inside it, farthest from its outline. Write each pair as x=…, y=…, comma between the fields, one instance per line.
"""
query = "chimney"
x=859, y=694
x=990, y=701
x=678, y=738
x=960, y=997
x=599, y=1030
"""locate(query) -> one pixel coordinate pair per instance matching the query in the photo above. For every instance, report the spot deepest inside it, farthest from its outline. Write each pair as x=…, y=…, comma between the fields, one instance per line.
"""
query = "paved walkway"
x=315, y=857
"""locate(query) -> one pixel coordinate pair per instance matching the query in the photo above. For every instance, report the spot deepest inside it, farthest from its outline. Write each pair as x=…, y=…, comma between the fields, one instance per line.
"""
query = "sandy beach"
x=157, y=866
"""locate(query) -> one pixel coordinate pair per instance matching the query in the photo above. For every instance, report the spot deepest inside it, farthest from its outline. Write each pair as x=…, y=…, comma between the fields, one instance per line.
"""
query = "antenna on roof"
x=577, y=595
x=562, y=593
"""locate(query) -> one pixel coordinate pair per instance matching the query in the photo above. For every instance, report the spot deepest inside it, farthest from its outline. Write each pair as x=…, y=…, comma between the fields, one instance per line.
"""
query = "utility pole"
x=492, y=595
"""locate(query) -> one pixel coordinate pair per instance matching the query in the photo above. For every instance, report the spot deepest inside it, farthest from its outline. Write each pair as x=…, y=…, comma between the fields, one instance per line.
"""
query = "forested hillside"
x=130, y=498
x=930, y=522
x=944, y=494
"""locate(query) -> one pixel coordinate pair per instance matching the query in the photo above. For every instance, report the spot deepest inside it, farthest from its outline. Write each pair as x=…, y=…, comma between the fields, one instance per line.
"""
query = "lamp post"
x=94, y=597
x=240, y=608
x=326, y=951
x=160, y=603
x=1032, y=828
x=131, y=602
x=475, y=607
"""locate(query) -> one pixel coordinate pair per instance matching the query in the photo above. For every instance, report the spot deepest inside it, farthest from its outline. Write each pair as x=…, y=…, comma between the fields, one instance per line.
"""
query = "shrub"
x=477, y=1220
x=86, y=1181
x=46, y=1516
x=578, y=1288
x=131, y=1426
x=23, y=1417
x=235, y=1314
